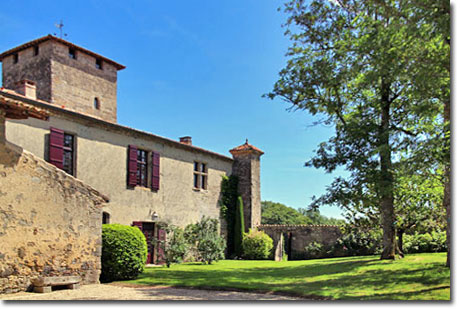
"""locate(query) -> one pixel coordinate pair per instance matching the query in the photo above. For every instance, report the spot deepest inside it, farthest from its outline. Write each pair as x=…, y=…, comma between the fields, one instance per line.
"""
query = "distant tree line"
x=278, y=213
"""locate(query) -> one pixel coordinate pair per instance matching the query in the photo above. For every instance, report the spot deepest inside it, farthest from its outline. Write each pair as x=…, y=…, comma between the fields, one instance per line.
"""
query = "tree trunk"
x=399, y=246
x=400, y=239
x=447, y=175
x=386, y=177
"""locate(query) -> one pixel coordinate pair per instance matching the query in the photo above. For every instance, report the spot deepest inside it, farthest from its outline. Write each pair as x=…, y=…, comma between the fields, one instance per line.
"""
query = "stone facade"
x=66, y=87
x=297, y=237
x=50, y=221
x=246, y=166
x=62, y=80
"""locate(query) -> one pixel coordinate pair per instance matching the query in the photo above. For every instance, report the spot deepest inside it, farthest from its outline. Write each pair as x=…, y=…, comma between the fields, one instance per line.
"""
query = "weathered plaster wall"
x=50, y=222
x=102, y=163
x=301, y=236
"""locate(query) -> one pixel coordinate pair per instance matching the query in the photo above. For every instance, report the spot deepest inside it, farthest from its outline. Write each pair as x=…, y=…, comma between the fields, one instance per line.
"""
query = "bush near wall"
x=257, y=245
x=124, y=252
x=425, y=243
x=205, y=241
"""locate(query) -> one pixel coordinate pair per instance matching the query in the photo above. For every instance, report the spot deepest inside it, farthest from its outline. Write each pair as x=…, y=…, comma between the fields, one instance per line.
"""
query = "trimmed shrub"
x=257, y=245
x=124, y=252
x=205, y=240
x=239, y=227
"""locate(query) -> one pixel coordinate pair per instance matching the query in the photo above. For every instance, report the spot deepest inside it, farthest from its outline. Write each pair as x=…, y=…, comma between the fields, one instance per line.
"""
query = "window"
x=15, y=58
x=97, y=103
x=68, y=154
x=36, y=50
x=62, y=150
x=105, y=218
x=142, y=168
x=98, y=63
x=200, y=175
x=72, y=53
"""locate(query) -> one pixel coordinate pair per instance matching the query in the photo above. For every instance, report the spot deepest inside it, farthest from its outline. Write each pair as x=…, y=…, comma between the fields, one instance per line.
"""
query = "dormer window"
x=36, y=50
x=97, y=104
x=98, y=63
x=15, y=58
x=72, y=53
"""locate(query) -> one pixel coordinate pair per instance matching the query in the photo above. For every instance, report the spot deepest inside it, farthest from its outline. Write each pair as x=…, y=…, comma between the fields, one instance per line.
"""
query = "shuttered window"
x=155, y=171
x=138, y=168
x=62, y=150
x=132, y=165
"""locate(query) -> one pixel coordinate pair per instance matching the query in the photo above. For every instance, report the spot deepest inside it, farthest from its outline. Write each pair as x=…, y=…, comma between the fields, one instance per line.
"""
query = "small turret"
x=246, y=167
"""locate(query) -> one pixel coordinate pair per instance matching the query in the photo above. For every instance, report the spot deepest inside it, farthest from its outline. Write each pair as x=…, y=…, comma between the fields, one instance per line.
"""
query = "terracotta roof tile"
x=246, y=147
x=16, y=109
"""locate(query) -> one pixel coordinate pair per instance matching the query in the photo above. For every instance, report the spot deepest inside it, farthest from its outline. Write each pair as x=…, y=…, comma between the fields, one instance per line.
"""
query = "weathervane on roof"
x=60, y=26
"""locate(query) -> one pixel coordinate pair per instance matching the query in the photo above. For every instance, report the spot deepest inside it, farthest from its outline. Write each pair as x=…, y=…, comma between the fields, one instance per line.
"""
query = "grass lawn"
x=415, y=277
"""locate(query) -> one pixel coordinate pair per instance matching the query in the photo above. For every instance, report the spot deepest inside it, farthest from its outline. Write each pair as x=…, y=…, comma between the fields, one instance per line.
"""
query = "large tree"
x=352, y=62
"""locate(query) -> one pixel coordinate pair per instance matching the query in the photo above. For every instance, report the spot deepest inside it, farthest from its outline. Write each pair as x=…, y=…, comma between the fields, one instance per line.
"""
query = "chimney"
x=186, y=140
x=27, y=88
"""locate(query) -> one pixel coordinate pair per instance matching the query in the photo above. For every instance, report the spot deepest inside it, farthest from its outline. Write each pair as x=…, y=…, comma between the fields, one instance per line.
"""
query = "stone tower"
x=65, y=75
x=246, y=166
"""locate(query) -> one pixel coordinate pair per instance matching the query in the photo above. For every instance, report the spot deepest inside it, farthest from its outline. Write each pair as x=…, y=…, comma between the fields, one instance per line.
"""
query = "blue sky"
x=195, y=68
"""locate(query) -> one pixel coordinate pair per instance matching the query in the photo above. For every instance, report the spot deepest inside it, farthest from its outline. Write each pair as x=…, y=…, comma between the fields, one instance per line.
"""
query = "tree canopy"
x=357, y=64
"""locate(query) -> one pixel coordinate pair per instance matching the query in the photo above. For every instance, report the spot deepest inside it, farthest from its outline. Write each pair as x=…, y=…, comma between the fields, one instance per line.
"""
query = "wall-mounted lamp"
x=155, y=216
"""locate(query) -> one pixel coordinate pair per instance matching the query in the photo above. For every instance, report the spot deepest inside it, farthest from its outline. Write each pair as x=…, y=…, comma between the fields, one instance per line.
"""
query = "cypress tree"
x=239, y=227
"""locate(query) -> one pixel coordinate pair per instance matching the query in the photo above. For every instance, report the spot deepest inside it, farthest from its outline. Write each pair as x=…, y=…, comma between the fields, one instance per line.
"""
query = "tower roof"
x=245, y=148
x=51, y=37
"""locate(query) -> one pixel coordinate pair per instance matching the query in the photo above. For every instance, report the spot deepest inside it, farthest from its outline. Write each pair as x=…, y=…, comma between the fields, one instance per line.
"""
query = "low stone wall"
x=50, y=222
x=294, y=238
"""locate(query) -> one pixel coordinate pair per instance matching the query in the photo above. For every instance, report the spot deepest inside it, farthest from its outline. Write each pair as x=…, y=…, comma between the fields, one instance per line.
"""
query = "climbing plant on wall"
x=228, y=203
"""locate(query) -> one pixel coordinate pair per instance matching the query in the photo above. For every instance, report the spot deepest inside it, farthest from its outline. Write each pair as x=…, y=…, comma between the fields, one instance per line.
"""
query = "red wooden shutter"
x=138, y=224
x=155, y=171
x=132, y=165
x=56, y=147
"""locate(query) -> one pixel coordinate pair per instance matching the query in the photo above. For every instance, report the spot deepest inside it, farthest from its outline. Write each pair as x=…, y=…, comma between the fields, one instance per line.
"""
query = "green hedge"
x=257, y=245
x=124, y=252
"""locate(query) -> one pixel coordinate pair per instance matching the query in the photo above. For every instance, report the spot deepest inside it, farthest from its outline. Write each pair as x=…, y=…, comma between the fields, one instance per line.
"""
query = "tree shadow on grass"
x=340, y=279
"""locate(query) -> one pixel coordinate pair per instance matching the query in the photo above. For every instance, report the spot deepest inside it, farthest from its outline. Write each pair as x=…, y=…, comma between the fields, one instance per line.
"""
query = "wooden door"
x=148, y=230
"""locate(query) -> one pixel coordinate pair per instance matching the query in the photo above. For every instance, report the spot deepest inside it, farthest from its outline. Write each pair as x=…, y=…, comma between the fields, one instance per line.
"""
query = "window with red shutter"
x=155, y=171
x=132, y=165
x=56, y=147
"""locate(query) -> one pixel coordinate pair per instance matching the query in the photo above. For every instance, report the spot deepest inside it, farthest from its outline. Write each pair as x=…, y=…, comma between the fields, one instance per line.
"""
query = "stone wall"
x=247, y=167
x=50, y=222
x=30, y=67
x=297, y=237
x=63, y=81
x=76, y=82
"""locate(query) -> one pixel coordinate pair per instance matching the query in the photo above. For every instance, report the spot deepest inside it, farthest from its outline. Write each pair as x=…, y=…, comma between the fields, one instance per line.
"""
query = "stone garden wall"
x=295, y=238
x=50, y=222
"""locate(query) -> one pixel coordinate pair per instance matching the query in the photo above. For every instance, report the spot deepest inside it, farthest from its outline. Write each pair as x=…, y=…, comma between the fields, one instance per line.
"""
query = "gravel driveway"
x=116, y=292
